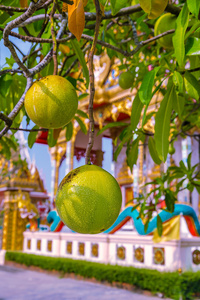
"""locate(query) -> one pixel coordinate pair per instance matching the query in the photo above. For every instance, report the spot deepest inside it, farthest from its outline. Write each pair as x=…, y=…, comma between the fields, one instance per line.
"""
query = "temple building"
x=23, y=198
x=113, y=104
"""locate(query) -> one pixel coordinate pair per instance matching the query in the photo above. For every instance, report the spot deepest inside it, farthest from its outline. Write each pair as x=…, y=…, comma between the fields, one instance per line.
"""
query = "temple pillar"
x=57, y=154
x=13, y=224
x=99, y=158
x=70, y=156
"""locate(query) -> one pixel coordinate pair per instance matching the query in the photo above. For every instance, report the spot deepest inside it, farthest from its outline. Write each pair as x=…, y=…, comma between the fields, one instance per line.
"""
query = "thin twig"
x=7, y=120
x=92, y=87
x=13, y=24
x=28, y=130
x=135, y=36
x=54, y=39
x=12, y=71
x=18, y=9
x=17, y=108
x=74, y=62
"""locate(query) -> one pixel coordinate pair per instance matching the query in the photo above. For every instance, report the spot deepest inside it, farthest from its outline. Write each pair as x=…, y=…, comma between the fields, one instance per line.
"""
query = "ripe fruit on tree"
x=172, y=150
x=51, y=102
x=163, y=24
x=88, y=199
x=126, y=80
x=154, y=8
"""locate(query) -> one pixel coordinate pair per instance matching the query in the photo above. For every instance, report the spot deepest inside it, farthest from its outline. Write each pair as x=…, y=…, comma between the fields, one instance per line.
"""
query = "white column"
x=53, y=169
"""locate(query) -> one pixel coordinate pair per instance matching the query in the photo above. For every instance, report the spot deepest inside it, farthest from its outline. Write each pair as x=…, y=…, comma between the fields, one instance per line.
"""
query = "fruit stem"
x=55, y=71
x=92, y=87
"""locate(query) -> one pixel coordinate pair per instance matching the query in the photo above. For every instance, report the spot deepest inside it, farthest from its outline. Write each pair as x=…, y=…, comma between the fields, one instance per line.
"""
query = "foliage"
x=170, y=76
x=168, y=283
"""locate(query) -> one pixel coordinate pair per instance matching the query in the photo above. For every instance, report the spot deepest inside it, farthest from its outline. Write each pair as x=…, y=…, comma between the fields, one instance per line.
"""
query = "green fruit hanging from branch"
x=88, y=199
x=51, y=102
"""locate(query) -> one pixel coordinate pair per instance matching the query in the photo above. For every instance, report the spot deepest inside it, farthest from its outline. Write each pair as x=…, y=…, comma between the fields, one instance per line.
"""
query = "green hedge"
x=168, y=283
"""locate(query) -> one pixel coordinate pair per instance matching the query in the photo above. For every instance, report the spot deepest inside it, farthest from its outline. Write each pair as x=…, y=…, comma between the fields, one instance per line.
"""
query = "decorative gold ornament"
x=121, y=253
x=95, y=250
x=49, y=246
x=196, y=257
x=81, y=248
x=159, y=256
x=29, y=244
x=38, y=245
x=139, y=254
x=69, y=248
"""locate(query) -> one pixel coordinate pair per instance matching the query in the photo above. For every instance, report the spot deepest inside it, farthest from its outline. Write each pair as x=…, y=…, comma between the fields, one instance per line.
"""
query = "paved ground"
x=19, y=284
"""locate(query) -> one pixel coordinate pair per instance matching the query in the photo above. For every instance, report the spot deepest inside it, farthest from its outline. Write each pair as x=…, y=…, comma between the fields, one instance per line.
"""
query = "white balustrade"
x=122, y=249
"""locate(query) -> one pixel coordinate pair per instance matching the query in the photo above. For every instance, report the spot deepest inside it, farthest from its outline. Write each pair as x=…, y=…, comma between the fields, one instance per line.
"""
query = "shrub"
x=168, y=283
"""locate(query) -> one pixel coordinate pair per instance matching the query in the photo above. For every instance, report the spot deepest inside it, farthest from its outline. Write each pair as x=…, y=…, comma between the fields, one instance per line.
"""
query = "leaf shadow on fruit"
x=86, y=217
x=46, y=91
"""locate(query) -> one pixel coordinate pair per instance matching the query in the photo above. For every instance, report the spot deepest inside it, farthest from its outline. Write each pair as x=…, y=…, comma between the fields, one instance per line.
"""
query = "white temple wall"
x=117, y=249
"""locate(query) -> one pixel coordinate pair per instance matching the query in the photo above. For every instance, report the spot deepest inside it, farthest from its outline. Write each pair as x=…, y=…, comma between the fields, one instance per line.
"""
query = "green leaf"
x=197, y=188
x=81, y=58
x=189, y=160
x=179, y=35
x=11, y=18
x=82, y=113
x=81, y=124
x=153, y=152
x=11, y=142
x=159, y=225
x=5, y=148
x=48, y=70
x=120, y=146
x=4, y=17
x=116, y=5
x=32, y=136
x=178, y=82
x=193, y=6
x=82, y=96
x=50, y=139
x=192, y=46
x=69, y=131
x=132, y=155
x=5, y=83
x=103, y=2
x=192, y=85
x=162, y=124
x=169, y=201
x=136, y=111
x=145, y=91
x=111, y=125
x=195, y=61
x=178, y=102
x=183, y=167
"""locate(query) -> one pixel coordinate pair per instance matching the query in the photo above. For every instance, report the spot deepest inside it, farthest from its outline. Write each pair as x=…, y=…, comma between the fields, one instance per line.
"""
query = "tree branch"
x=10, y=71
x=32, y=8
x=48, y=57
x=7, y=120
x=54, y=39
x=92, y=87
x=17, y=108
x=28, y=130
x=18, y=9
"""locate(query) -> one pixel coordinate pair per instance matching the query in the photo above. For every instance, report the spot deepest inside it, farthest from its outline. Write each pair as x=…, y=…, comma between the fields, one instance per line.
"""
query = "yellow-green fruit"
x=163, y=24
x=172, y=150
x=154, y=8
x=51, y=102
x=126, y=80
x=88, y=199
